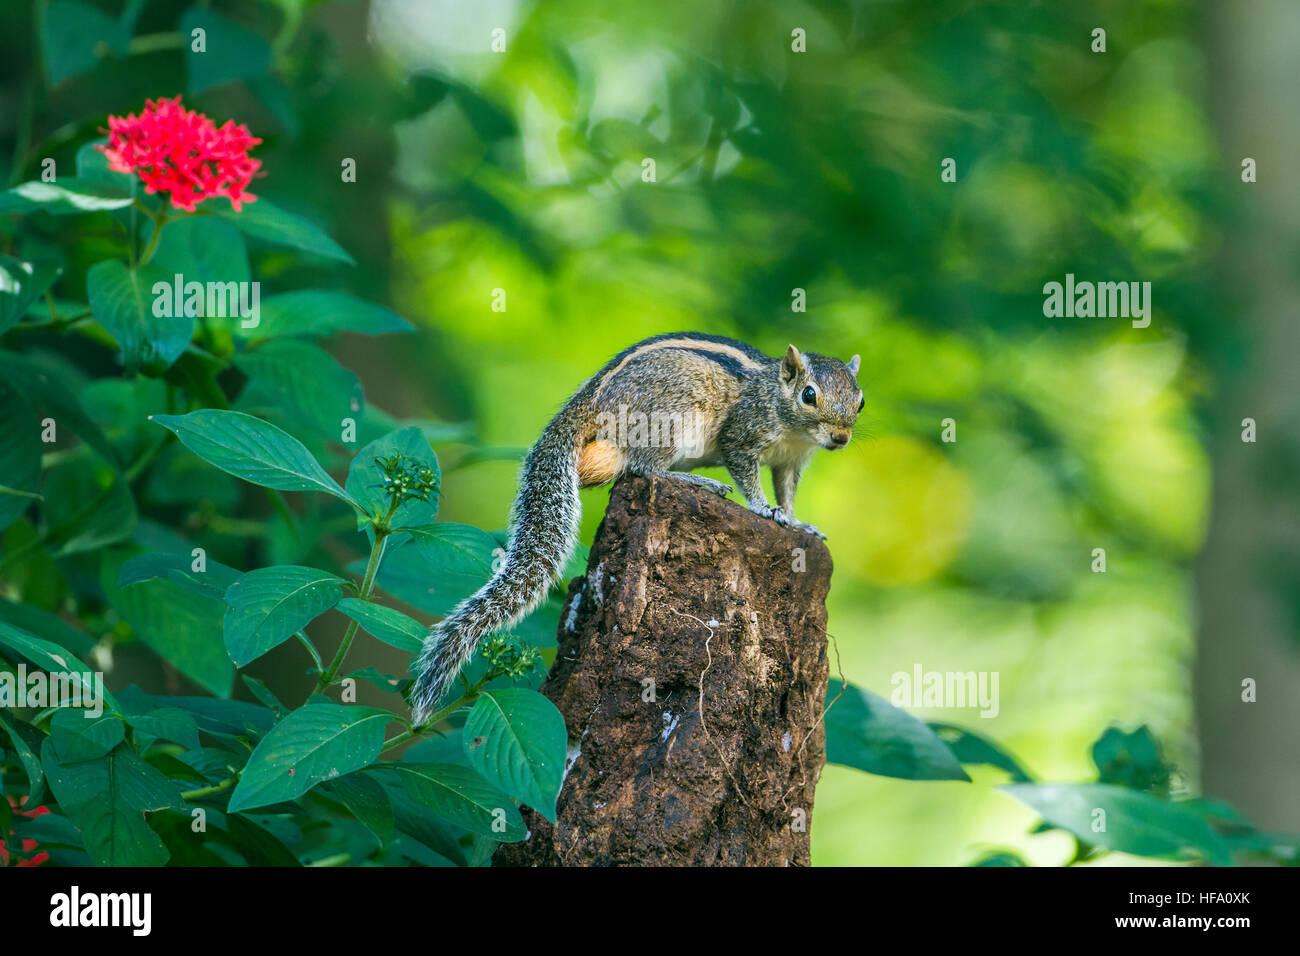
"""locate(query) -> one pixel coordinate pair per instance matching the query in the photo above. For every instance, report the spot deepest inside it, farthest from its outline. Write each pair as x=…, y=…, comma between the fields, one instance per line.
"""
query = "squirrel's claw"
x=776, y=514
x=811, y=529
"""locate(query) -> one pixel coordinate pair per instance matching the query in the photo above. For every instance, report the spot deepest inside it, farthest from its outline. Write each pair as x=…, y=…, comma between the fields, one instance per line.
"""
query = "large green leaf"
x=865, y=731
x=1124, y=820
x=971, y=748
x=516, y=738
x=78, y=736
x=367, y=800
x=205, y=249
x=317, y=742
x=264, y=608
x=74, y=35
x=124, y=302
x=251, y=449
x=230, y=52
x=461, y=796
x=223, y=718
x=264, y=220
x=211, y=582
x=366, y=481
x=312, y=312
x=390, y=626
x=443, y=564
x=302, y=382
x=106, y=799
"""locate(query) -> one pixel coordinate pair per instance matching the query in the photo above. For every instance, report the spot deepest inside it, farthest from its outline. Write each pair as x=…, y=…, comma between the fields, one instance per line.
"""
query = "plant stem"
x=158, y=222
x=468, y=697
x=209, y=791
x=367, y=585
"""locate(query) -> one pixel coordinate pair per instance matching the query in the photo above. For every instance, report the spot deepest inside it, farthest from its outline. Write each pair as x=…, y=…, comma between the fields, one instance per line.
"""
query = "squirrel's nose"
x=840, y=436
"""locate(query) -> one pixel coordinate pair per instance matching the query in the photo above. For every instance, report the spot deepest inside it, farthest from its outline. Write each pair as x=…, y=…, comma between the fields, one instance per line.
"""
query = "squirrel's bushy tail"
x=544, y=529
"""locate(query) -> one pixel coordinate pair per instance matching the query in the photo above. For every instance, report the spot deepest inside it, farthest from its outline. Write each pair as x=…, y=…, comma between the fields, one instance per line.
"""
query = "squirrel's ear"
x=792, y=364
x=854, y=364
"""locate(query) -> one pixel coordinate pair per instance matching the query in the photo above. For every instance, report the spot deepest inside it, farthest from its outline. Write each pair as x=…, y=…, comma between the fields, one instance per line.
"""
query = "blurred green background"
x=777, y=171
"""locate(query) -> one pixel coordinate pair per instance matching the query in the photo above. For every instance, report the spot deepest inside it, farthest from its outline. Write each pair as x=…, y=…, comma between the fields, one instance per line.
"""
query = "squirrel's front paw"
x=810, y=528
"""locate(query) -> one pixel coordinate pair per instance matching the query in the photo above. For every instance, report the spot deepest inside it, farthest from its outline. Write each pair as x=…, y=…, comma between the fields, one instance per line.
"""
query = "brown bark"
x=705, y=600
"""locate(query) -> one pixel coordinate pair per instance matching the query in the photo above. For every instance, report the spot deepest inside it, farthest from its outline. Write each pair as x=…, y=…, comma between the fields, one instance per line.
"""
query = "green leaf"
x=310, y=312
x=366, y=800
x=78, y=736
x=55, y=659
x=366, y=481
x=317, y=742
x=1134, y=822
x=230, y=51
x=92, y=167
x=264, y=220
x=204, y=249
x=443, y=564
x=223, y=718
x=516, y=739
x=1131, y=760
x=211, y=582
x=65, y=198
x=74, y=35
x=392, y=627
x=302, y=382
x=21, y=284
x=251, y=449
x=969, y=747
x=265, y=607
x=20, y=454
x=867, y=732
x=165, y=723
x=461, y=796
x=106, y=800
x=123, y=301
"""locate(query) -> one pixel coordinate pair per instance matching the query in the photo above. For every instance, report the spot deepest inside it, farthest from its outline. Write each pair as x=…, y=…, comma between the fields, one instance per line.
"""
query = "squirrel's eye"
x=809, y=395
x=862, y=403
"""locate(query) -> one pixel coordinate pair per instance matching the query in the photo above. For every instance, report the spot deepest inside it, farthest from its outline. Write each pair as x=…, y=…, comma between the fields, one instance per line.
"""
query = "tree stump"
x=691, y=673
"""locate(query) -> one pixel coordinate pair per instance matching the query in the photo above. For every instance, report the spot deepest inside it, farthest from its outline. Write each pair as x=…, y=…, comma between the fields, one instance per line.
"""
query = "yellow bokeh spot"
x=901, y=509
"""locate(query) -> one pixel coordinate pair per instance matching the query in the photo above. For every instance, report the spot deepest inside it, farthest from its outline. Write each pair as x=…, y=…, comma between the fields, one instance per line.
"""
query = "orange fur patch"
x=599, y=462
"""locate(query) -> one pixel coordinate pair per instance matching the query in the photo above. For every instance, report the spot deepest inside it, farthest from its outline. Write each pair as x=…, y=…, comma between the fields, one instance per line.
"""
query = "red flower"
x=183, y=154
x=28, y=845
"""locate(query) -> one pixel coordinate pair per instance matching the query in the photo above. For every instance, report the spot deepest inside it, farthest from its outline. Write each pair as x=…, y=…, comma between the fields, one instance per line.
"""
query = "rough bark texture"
x=688, y=591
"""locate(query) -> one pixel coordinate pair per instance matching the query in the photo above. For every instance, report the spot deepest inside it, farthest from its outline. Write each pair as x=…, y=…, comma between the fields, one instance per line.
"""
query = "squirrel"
x=677, y=401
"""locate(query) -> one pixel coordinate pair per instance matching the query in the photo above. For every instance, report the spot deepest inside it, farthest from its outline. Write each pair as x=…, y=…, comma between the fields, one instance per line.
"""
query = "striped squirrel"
x=691, y=400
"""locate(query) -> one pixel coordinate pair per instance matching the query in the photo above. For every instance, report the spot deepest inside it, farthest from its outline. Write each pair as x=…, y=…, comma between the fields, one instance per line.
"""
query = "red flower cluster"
x=29, y=846
x=183, y=154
